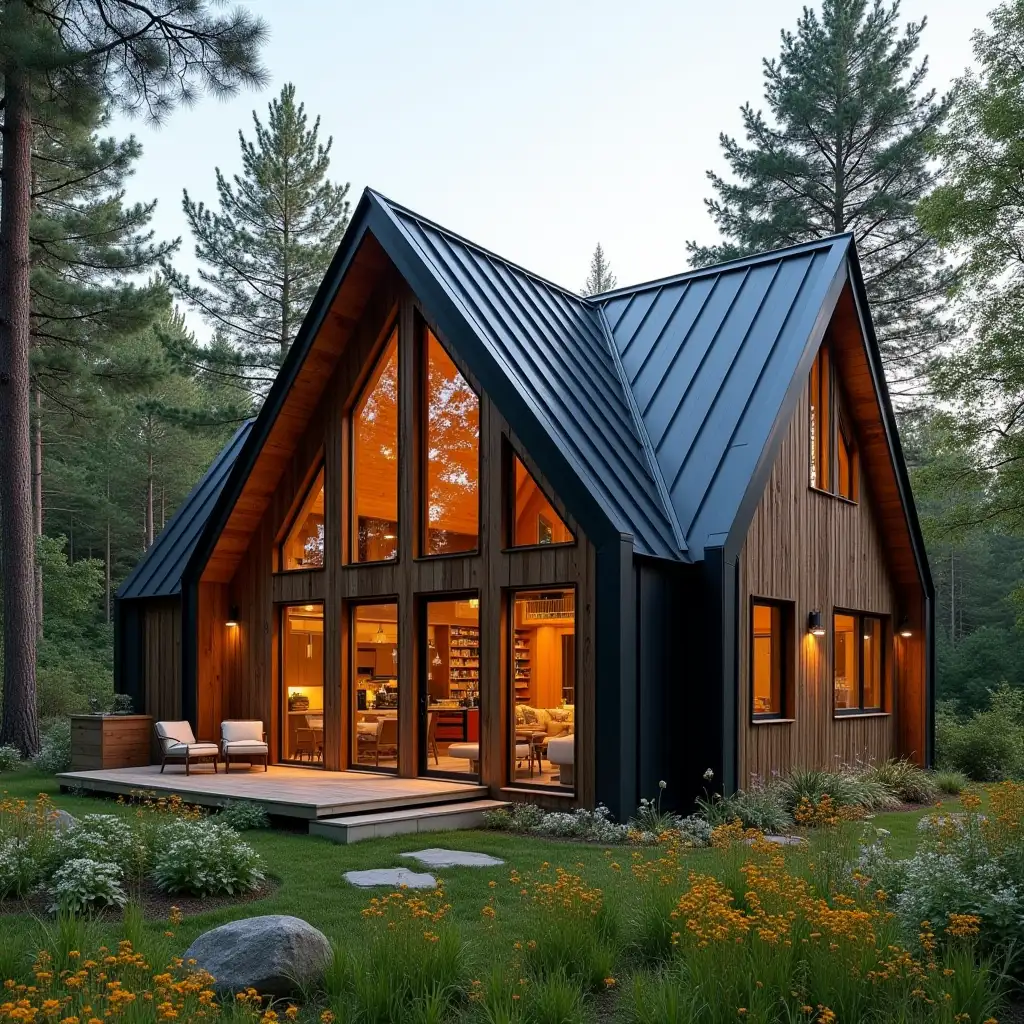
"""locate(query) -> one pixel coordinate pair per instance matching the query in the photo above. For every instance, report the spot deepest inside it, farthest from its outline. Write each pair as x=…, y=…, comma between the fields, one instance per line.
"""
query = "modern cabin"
x=484, y=528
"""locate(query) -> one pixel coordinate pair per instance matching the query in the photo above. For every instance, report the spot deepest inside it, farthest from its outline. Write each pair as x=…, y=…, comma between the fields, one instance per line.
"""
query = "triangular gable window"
x=303, y=547
x=533, y=518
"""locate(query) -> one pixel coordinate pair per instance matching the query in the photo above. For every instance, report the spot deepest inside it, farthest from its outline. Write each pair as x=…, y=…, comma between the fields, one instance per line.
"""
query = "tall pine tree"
x=845, y=148
x=264, y=252
x=600, y=279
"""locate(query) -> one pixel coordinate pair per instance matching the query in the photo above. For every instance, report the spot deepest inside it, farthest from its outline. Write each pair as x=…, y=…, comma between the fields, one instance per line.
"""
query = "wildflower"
x=327, y=1017
x=292, y=1012
x=609, y=983
x=662, y=784
x=709, y=775
x=488, y=911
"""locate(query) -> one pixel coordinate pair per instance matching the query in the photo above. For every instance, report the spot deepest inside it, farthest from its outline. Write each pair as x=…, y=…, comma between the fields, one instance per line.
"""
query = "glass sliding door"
x=302, y=684
x=450, y=686
x=374, y=689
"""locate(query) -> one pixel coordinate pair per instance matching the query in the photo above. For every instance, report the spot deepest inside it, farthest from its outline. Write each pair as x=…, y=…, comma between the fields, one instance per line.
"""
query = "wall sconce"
x=905, y=629
x=814, y=624
x=232, y=616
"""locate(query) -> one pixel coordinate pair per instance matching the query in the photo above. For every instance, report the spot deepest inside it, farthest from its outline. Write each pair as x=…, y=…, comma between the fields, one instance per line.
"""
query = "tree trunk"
x=20, y=724
x=149, y=499
x=37, y=503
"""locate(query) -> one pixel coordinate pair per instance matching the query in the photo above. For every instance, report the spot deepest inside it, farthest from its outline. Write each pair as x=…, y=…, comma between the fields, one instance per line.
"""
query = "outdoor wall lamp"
x=814, y=624
x=905, y=629
x=232, y=616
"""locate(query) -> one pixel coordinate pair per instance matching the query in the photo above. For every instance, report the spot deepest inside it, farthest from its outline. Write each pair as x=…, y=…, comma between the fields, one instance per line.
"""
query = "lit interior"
x=304, y=546
x=375, y=461
x=535, y=519
x=452, y=440
x=375, y=716
x=845, y=661
x=302, y=669
x=767, y=657
x=543, y=678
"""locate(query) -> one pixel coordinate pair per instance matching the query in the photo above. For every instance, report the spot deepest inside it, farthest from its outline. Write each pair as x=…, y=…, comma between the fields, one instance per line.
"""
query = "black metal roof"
x=159, y=573
x=710, y=357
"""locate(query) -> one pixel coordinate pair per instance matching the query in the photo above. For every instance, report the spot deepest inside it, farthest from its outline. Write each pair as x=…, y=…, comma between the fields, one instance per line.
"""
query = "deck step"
x=438, y=817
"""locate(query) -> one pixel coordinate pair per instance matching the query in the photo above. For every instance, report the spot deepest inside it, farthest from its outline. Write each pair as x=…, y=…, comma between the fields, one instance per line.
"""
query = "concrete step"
x=435, y=818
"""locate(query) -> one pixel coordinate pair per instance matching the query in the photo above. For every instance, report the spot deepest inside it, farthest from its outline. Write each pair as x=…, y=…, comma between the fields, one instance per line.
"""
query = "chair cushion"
x=368, y=729
x=561, y=749
x=174, y=732
x=230, y=732
x=469, y=751
x=245, y=747
x=558, y=728
x=174, y=749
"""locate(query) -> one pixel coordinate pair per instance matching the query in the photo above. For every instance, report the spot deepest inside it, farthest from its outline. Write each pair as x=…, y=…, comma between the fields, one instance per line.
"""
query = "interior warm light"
x=307, y=607
x=814, y=624
x=905, y=629
x=474, y=602
x=380, y=637
x=232, y=616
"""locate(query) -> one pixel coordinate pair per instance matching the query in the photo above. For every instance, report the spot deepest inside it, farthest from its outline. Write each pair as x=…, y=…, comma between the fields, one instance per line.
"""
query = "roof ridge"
x=469, y=243
x=738, y=262
x=653, y=466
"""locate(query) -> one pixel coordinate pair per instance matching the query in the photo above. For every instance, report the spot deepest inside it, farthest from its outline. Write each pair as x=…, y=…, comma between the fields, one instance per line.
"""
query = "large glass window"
x=859, y=662
x=451, y=456
x=770, y=658
x=452, y=674
x=534, y=519
x=833, y=449
x=303, y=547
x=374, y=641
x=375, y=462
x=302, y=677
x=542, y=678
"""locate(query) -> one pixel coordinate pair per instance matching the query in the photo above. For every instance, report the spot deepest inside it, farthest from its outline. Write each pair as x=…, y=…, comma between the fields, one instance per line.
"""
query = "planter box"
x=110, y=741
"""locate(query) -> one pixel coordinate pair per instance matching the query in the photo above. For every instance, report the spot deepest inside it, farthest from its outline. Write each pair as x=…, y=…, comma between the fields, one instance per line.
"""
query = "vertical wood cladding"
x=162, y=660
x=824, y=553
x=241, y=677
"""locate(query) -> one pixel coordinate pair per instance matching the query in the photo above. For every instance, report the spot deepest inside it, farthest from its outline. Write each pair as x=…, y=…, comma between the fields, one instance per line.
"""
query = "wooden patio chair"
x=386, y=740
x=243, y=741
x=178, y=744
x=432, y=736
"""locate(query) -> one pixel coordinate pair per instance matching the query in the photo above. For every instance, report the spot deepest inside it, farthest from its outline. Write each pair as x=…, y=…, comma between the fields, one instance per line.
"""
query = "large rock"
x=62, y=820
x=276, y=955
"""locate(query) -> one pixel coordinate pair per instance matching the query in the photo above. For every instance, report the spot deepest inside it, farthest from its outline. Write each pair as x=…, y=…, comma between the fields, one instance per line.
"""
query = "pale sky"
x=534, y=128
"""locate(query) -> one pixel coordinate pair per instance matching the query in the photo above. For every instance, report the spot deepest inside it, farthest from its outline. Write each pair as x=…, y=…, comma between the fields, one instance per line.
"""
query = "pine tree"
x=845, y=149
x=977, y=215
x=61, y=54
x=600, y=279
x=264, y=252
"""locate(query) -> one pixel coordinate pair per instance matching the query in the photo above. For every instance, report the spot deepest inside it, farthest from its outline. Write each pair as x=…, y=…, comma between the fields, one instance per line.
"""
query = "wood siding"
x=244, y=661
x=821, y=552
x=162, y=660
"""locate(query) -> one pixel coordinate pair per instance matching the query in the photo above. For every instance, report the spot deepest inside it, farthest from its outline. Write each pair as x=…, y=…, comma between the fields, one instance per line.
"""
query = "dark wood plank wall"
x=162, y=665
x=821, y=552
x=250, y=670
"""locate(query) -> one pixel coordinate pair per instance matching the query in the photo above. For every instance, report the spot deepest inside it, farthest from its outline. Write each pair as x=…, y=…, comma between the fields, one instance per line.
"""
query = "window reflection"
x=452, y=456
x=534, y=519
x=304, y=546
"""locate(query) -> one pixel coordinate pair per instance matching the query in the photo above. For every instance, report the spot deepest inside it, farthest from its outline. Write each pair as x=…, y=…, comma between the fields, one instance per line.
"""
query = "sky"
x=534, y=128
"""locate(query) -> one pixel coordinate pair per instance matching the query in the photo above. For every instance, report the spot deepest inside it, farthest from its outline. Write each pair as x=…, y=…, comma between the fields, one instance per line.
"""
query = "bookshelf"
x=522, y=664
x=464, y=660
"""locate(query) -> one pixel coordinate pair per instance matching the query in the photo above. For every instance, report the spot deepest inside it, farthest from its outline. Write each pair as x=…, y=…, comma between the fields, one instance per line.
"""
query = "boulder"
x=63, y=820
x=277, y=955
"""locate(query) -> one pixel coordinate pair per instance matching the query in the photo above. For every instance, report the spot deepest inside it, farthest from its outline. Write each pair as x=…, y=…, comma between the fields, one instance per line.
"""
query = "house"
x=485, y=528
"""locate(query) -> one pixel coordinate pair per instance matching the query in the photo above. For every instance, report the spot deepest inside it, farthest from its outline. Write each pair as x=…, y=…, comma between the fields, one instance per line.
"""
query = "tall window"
x=542, y=676
x=375, y=462
x=533, y=518
x=303, y=547
x=858, y=661
x=302, y=678
x=770, y=658
x=451, y=456
x=374, y=641
x=833, y=449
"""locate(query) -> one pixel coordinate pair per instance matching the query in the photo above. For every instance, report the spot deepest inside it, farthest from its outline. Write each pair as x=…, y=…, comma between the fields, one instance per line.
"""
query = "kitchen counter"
x=456, y=725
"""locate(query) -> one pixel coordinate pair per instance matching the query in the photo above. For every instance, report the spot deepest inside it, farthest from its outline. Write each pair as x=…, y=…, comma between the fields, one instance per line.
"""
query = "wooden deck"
x=290, y=792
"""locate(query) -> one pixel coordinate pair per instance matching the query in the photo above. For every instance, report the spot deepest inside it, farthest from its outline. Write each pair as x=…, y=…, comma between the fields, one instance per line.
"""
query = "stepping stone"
x=779, y=840
x=436, y=858
x=393, y=877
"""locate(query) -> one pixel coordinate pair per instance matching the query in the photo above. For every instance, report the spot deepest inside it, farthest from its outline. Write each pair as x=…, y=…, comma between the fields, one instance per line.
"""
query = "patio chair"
x=432, y=736
x=243, y=741
x=383, y=739
x=178, y=744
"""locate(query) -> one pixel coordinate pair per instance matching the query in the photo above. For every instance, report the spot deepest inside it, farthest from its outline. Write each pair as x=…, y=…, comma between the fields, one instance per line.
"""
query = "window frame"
x=786, y=713
x=824, y=393
x=390, y=331
x=508, y=531
x=885, y=662
x=319, y=466
x=508, y=680
x=421, y=414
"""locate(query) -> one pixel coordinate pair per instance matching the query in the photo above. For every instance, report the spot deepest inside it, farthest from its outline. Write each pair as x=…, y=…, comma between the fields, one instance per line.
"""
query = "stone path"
x=437, y=858
x=392, y=877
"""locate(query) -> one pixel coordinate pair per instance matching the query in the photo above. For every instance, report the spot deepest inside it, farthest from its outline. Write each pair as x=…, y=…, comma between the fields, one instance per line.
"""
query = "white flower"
x=662, y=784
x=883, y=832
x=709, y=775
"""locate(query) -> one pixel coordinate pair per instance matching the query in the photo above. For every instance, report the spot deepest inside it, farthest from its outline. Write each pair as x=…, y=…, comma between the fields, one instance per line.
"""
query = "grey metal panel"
x=159, y=572
x=552, y=348
x=710, y=357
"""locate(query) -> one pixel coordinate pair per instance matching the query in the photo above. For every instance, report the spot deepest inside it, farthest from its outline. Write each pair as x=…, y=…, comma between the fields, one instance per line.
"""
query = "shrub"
x=988, y=746
x=951, y=783
x=20, y=867
x=911, y=784
x=84, y=884
x=204, y=858
x=517, y=817
x=55, y=754
x=590, y=826
x=843, y=788
x=103, y=838
x=27, y=837
x=10, y=758
x=243, y=816
x=762, y=807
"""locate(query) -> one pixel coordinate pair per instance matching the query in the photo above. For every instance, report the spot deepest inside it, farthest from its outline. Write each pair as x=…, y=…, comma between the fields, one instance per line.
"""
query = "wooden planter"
x=110, y=741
